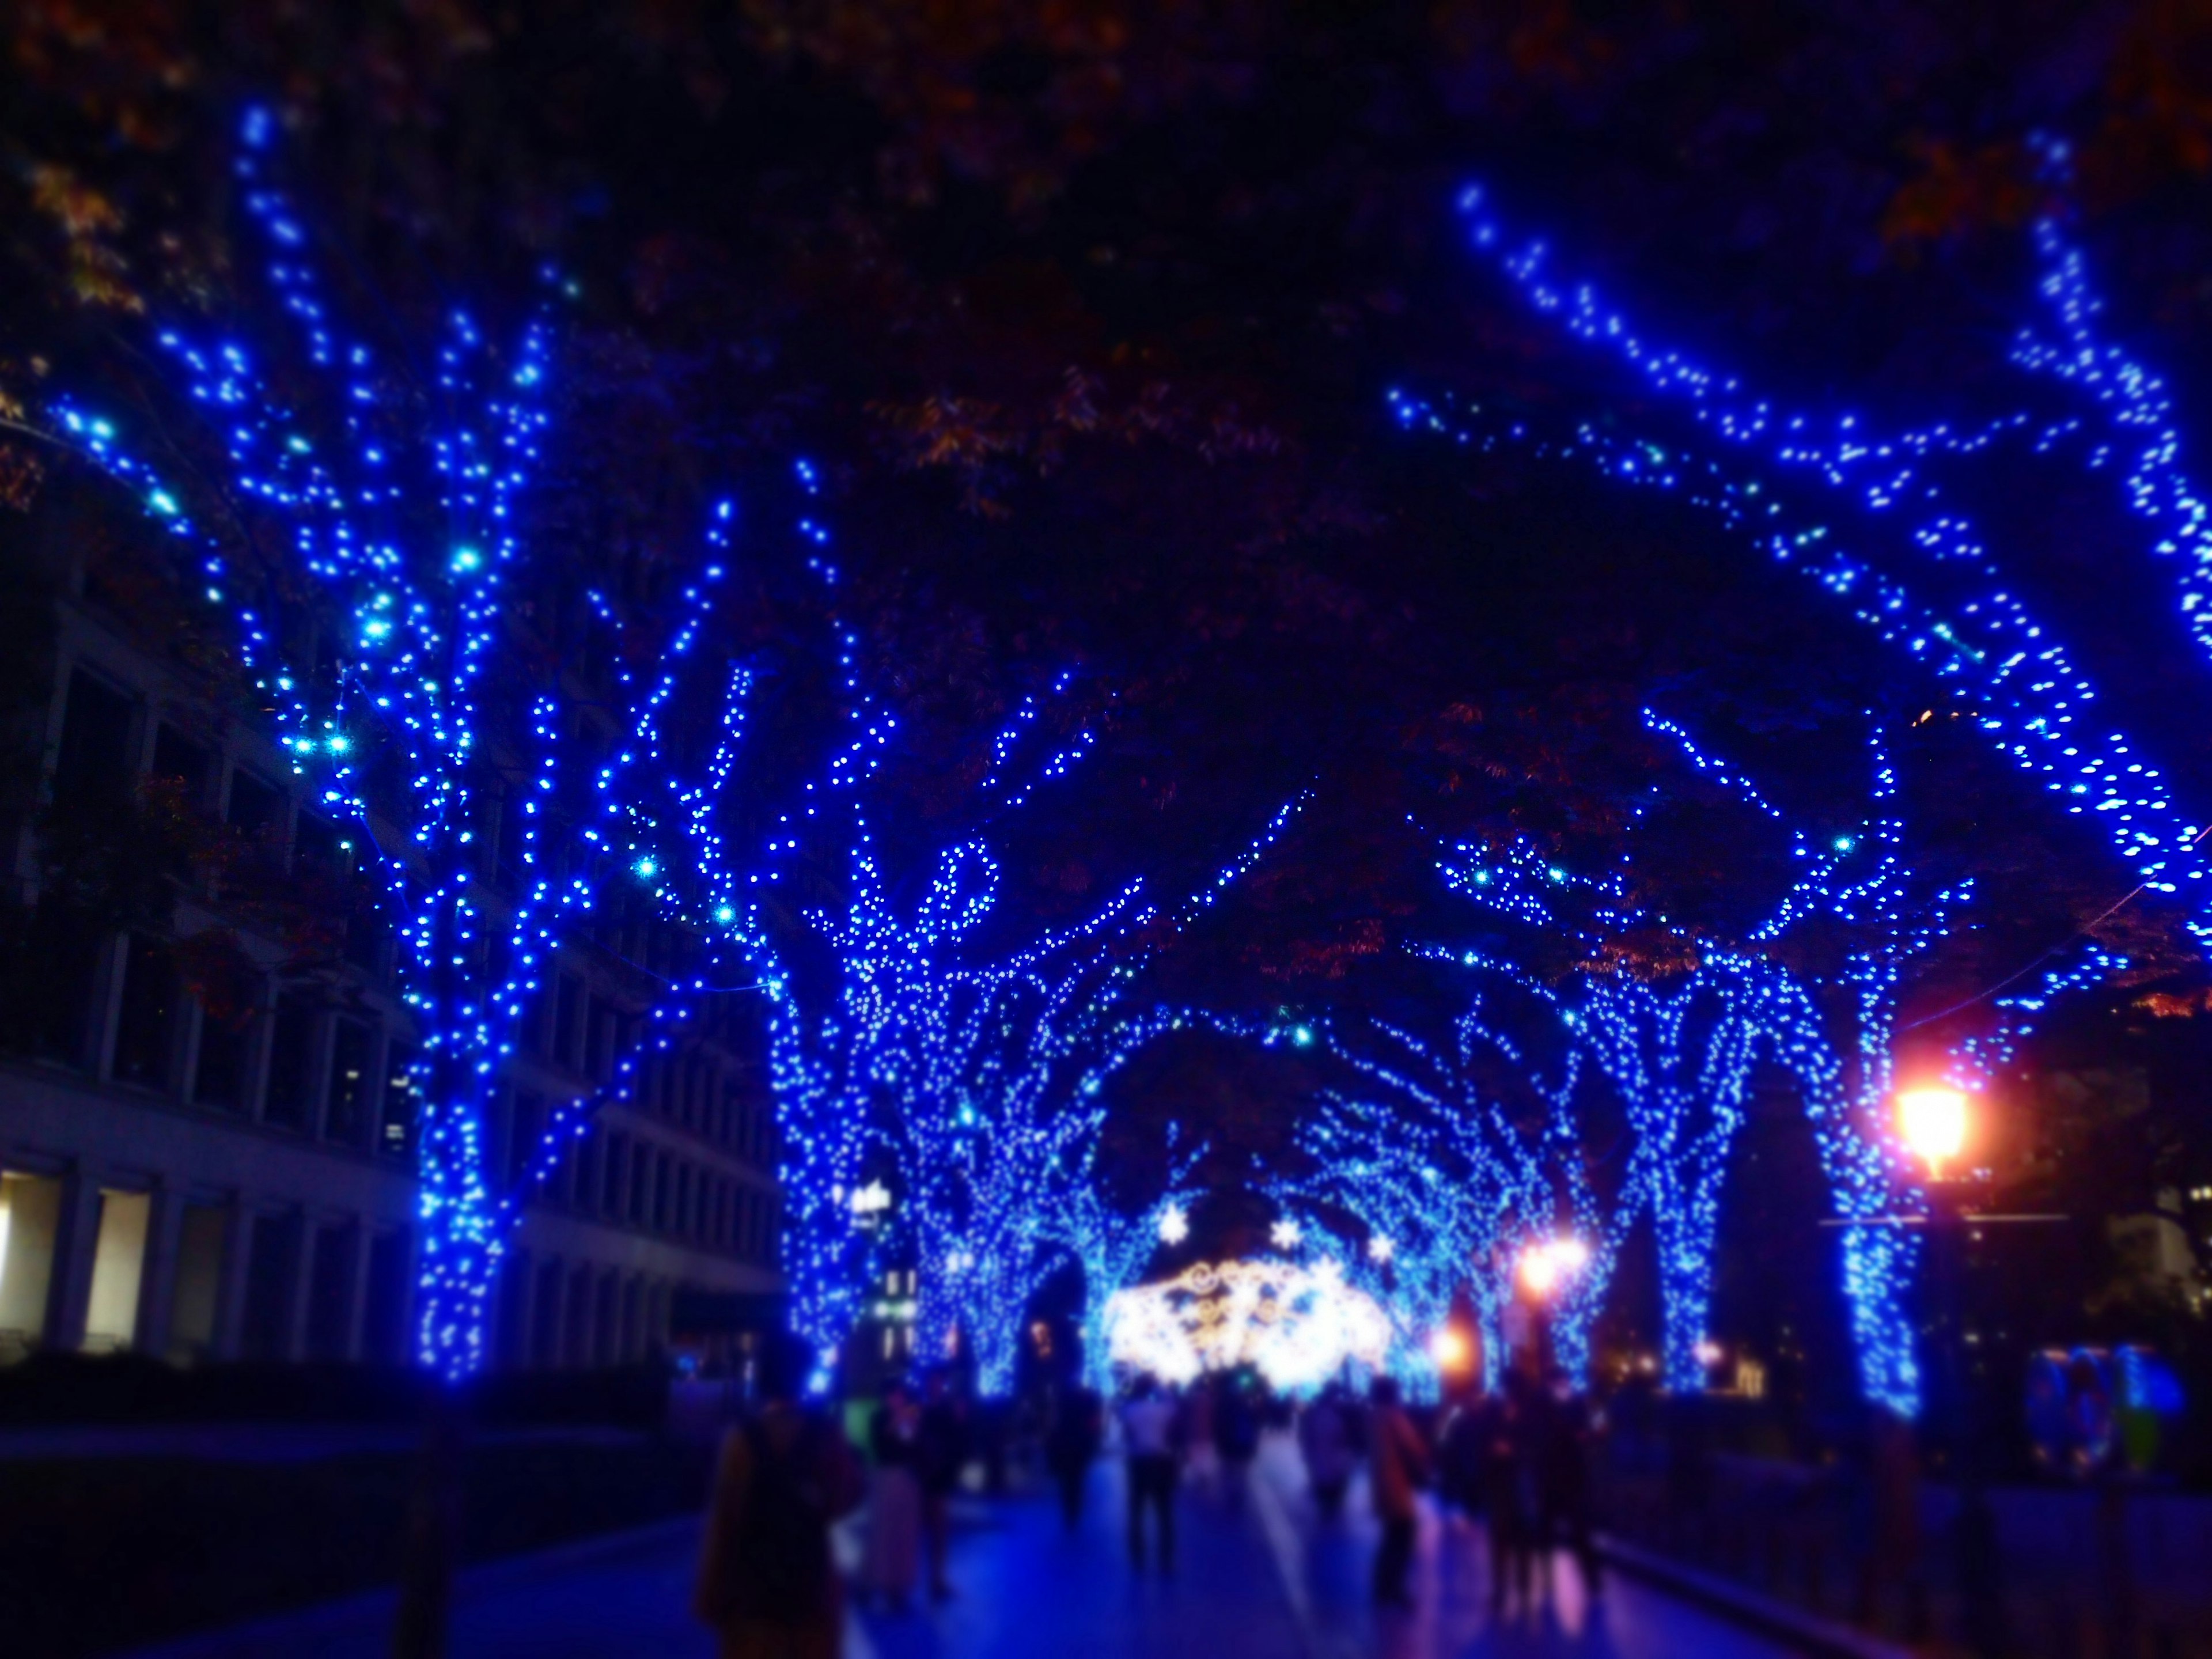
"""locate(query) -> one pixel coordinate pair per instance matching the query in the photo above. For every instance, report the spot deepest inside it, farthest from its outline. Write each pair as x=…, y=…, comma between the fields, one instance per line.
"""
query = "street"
x=1265, y=1579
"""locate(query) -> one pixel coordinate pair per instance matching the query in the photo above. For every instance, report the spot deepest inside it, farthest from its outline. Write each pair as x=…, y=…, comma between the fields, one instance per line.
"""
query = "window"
x=176, y=757
x=383, y=1306
x=522, y=1146
x=584, y=1161
x=611, y=1197
x=330, y=1259
x=291, y=1063
x=660, y=1193
x=49, y=1011
x=641, y=1177
x=595, y=1041
x=271, y=1263
x=353, y=1063
x=255, y=807
x=146, y=1024
x=364, y=935
x=396, y=1127
x=683, y=1199
x=564, y=1020
x=226, y=1050
x=319, y=847
x=95, y=762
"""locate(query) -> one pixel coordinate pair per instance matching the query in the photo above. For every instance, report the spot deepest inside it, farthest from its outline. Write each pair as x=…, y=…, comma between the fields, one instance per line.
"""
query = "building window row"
x=104, y=1268
x=279, y=1056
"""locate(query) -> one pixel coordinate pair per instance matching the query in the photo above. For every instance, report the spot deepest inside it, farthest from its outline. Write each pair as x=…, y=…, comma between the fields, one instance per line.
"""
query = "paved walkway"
x=1267, y=1578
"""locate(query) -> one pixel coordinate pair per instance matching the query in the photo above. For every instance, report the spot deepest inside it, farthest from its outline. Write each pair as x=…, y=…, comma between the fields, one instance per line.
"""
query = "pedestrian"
x=1148, y=1440
x=1237, y=1436
x=1459, y=1458
x=894, y=1498
x=1070, y=1445
x=767, y=1585
x=940, y=1453
x=1398, y=1467
x=1325, y=1441
x=1504, y=1498
x=1564, y=1482
x=1198, y=1437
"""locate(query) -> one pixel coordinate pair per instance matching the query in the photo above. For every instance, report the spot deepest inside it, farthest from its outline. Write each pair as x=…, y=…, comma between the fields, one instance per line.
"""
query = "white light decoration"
x=1298, y=1327
x=1175, y=1225
x=1285, y=1235
x=1379, y=1249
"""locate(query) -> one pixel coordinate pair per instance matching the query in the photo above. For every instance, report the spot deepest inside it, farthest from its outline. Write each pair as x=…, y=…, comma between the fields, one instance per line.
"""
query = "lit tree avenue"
x=977, y=1074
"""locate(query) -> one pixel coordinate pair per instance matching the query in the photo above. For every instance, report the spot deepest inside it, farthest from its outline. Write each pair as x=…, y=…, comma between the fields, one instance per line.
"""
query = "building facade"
x=206, y=1164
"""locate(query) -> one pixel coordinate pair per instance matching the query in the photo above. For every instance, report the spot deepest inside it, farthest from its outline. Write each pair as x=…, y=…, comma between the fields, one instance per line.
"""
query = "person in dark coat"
x=1070, y=1444
x=767, y=1585
x=1237, y=1436
x=1505, y=1498
x=940, y=1453
x=1563, y=1480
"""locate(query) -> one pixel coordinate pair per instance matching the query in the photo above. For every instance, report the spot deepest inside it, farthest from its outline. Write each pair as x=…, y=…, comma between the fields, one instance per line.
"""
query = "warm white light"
x=1709, y=1353
x=1543, y=1266
x=1933, y=1121
x=1539, y=1271
x=1448, y=1348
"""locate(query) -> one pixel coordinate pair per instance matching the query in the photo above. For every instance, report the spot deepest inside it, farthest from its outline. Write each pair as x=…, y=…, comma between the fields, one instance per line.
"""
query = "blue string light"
x=1891, y=524
x=336, y=499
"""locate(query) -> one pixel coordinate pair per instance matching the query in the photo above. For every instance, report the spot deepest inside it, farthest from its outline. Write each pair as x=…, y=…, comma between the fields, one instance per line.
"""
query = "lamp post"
x=1541, y=1270
x=1932, y=1122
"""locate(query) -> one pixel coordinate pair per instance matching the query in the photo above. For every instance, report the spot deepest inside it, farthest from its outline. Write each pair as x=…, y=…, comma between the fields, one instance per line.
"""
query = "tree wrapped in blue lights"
x=1679, y=1051
x=974, y=1063
x=364, y=537
x=1451, y=1187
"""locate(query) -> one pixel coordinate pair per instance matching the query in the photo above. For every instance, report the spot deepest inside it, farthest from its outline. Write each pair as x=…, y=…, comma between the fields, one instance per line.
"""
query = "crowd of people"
x=1517, y=1461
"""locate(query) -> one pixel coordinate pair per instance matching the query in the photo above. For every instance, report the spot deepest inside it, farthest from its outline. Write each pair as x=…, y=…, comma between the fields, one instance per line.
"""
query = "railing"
x=2116, y=1571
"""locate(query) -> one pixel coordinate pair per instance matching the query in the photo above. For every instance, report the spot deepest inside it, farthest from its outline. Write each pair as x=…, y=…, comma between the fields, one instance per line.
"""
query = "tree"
x=359, y=521
x=1110, y=1244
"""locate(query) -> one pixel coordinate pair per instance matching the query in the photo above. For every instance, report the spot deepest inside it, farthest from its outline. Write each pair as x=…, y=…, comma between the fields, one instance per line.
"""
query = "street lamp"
x=1542, y=1269
x=1932, y=1122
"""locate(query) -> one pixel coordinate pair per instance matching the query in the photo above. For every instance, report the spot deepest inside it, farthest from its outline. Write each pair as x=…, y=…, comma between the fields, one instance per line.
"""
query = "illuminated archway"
x=1298, y=1327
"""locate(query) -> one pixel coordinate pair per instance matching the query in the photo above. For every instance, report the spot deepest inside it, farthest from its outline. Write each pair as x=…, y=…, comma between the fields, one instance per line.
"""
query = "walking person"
x=767, y=1585
x=1148, y=1440
x=1325, y=1442
x=940, y=1453
x=1236, y=1435
x=1459, y=1458
x=1503, y=1500
x=1398, y=1468
x=1070, y=1445
x=1198, y=1415
x=1564, y=1482
x=894, y=1499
